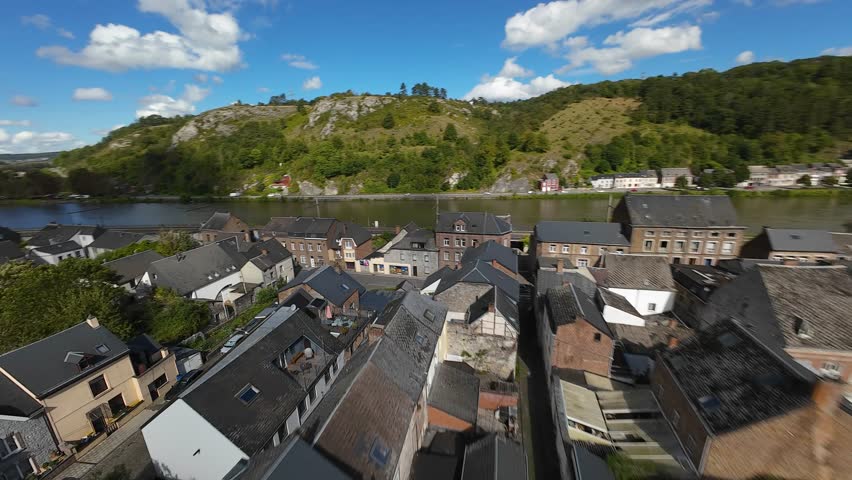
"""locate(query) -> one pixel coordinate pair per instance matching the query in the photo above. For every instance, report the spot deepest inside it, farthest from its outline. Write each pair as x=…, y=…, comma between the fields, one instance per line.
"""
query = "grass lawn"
x=522, y=374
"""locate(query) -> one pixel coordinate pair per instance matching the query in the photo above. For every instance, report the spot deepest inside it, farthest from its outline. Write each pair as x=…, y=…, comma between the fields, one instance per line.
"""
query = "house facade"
x=202, y=273
x=412, y=252
x=457, y=231
x=56, y=242
x=340, y=292
x=549, y=183
x=581, y=243
x=26, y=441
x=222, y=225
x=315, y=241
x=669, y=176
x=268, y=263
x=644, y=281
x=792, y=244
x=97, y=383
x=112, y=240
x=691, y=229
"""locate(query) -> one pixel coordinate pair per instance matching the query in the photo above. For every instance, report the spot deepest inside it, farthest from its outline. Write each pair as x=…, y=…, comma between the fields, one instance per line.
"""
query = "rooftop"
x=475, y=223
x=57, y=248
x=566, y=304
x=217, y=221
x=133, y=266
x=336, y=286
x=54, y=362
x=455, y=392
x=14, y=402
x=54, y=233
x=640, y=272
x=482, y=273
x=492, y=251
x=113, y=239
x=193, y=269
x=686, y=211
x=732, y=381
x=10, y=250
x=494, y=457
x=595, y=233
x=798, y=240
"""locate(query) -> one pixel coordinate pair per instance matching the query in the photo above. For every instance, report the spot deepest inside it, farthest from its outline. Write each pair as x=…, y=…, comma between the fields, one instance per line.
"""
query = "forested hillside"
x=765, y=113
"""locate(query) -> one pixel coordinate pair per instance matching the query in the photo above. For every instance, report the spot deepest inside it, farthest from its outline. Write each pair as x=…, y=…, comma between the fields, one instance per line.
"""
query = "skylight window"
x=709, y=403
x=344, y=286
x=248, y=394
x=429, y=315
x=102, y=349
x=420, y=339
x=729, y=339
x=379, y=453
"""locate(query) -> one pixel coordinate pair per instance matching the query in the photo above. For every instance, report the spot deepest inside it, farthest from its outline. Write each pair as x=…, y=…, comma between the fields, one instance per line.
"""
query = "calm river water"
x=815, y=212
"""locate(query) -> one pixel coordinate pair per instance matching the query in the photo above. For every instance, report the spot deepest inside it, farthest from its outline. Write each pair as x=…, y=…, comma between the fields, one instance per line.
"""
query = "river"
x=829, y=213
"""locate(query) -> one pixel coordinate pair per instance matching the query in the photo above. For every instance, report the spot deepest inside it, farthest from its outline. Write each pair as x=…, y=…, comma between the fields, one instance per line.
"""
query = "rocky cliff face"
x=220, y=121
x=349, y=107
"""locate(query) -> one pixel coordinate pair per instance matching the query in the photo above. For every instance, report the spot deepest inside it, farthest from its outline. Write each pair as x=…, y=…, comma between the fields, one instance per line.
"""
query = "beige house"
x=87, y=379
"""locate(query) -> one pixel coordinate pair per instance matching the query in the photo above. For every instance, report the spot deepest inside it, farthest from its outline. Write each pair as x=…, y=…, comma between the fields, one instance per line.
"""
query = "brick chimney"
x=673, y=342
x=93, y=321
x=264, y=251
x=560, y=265
x=396, y=230
x=490, y=307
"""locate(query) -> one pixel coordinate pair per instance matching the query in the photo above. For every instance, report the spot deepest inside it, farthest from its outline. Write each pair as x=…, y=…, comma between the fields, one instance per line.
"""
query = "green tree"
x=450, y=133
x=804, y=180
x=403, y=90
x=849, y=176
x=388, y=122
x=433, y=107
x=171, y=243
x=829, y=181
x=681, y=182
x=393, y=180
x=173, y=318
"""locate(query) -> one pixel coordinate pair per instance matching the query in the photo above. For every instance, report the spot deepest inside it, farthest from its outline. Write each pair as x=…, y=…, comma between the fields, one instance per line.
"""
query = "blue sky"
x=77, y=68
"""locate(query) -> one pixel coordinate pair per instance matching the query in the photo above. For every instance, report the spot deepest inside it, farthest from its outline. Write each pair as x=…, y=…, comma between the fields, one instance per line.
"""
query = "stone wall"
x=487, y=353
x=35, y=436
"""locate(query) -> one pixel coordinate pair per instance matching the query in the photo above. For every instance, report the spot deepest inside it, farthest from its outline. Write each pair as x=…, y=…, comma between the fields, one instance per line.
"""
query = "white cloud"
x=745, y=57
x=206, y=41
x=838, y=51
x=105, y=131
x=511, y=69
x=505, y=86
x=96, y=94
x=39, y=20
x=14, y=123
x=298, y=61
x=262, y=89
x=23, y=101
x=547, y=23
x=778, y=3
x=217, y=80
x=200, y=77
x=312, y=83
x=65, y=33
x=29, y=142
x=167, y=106
x=684, y=7
x=624, y=48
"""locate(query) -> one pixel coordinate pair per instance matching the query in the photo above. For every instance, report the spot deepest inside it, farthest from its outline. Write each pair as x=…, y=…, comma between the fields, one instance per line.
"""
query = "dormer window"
x=460, y=227
x=248, y=394
x=803, y=328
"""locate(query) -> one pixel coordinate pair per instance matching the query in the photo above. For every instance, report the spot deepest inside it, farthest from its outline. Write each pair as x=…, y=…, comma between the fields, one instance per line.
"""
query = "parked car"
x=184, y=382
x=250, y=326
x=235, y=194
x=232, y=342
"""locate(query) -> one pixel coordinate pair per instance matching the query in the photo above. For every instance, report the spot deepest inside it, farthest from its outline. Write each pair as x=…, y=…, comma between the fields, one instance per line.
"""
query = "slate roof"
x=15, y=402
x=595, y=233
x=113, y=239
x=351, y=230
x=217, y=221
x=57, y=248
x=378, y=300
x=300, y=227
x=275, y=254
x=478, y=223
x=777, y=301
x=41, y=366
x=430, y=466
x=10, y=250
x=249, y=427
x=502, y=304
x=547, y=279
x=685, y=211
x=798, y=240
x=438, y=275
x=133, y=266
x=412, y=329
x=10, y=235
x=565, y=304
x=617, y=301
x=732, y=381
x=455, y=392
x=293, y=458
x=335, y=286
x=416, y=236
x=193, y=269
x=494, y=457
x=640, y=272
x=482, y=273
x=489, y=251
x=54, y=233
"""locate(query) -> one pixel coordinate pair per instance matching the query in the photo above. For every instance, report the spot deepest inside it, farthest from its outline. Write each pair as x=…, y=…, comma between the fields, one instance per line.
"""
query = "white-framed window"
x=310, y=248
x=698, y=234
x=293, y=246
x=552, y=248
x=446, y=242
x=10, y=445
x=681, y=234
x=302, y=247
x=446, y=256
x=831, y=367
x=458, y=242
x=710, y=247
x=401, y=256
x=566, y=248
x=648, y=245
x=679, y=245
x=584, y=250
x=652, y=307
x=458, y=256
x=694, y=246
x=664, y=245
x=666, y=233
x=426, y=258
x=582, y=262
x=350, y=255
x=348, y=244
x=619, y=251
x=463, y=242
x=650, y=233
x=728, y=248
x=98, y=385
x=302, y=259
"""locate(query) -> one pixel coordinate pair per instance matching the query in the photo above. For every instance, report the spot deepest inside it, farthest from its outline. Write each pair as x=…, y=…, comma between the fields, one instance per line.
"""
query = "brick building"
x=221, y=225
x=791, y=244
x=315, y=242
x=337, y=291
x=457, y=231
x=741, y=410
x=581, y=243
x=691, y=229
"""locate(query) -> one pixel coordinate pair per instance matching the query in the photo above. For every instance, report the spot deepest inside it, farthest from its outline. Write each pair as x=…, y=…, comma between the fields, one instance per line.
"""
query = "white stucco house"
x=202, y=273
x=645, y=281
x=55, y=242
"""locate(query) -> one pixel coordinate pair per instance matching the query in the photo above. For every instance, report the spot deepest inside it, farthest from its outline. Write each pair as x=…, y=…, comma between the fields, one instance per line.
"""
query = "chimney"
x=337, y=269
x=560, y=265
x=673, y=342
x=93, y=321
x=264, y=251
x=495, y=263
x=490, y=307
x=396, y=230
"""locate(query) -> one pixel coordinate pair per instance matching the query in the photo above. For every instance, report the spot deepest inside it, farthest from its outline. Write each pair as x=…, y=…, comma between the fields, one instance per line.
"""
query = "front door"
x=414, y=270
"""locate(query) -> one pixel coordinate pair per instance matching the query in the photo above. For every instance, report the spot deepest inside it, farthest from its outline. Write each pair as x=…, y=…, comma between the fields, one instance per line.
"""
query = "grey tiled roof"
x=438, y=275
x=475, y=222
x=416, y=237
x=275, y=254
x=9, y=250
x=9, y=234
x=193, y=269
x=217, y=221
x=492, y=250
x=615, y=300
x=293, y=458
x=502, y=304
x=251, y=426
x=41, y=366
x=113, y=239
x=732, y=381
x=455, y=392
x=595, y=233
x=566, y=304
x=494, y=458
x=798, y=240
x=57, y=248
x=547, y=279
x=351, y=230
x=680, y=210
x=300, y=227
x=641, y=272
x=15, y=402
x=335, y=286
x=133, y=266
x=482, y=273
x=54, y=233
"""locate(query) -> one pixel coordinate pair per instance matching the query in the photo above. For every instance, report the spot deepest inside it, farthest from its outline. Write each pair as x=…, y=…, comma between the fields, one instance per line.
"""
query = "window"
x=650, y=233
x=679, y=245
x=350, y=255
x=652, y=307
x=474, y=243
x=302, y=259
x=401, y=256
x=10, y=445
x=102, y=349
x=664, y=245
x=675, y=418
x=710, y=247
x=676, y=260
x=458, y=256
x=319, y=247
x=552, y=248
x=619, y=251
x=597, y=337
x=160, y=381
x=414, y=257
x=312, y=395
x=694, y=246
x=310, y=248
x=463, y=242
x=732, y=235
x=77, y=253
x=693, y=260
x=347, y=244
x=446, y=242
x=566, y=248
x=582, y=262
x=446, y=256
x=302, y=246
x=648, y=246
x=303, y=406
x=327, y=377
x=333, y=367
x=714, y=234
x=98, y=385
x=426, y=258
x=293, y=246
x=698, y=234
x=728, y=248
x=666, y=233
x=831, y=367
x=584, y=250
x=708, y=262
x=681, y=234
x=458, y=242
